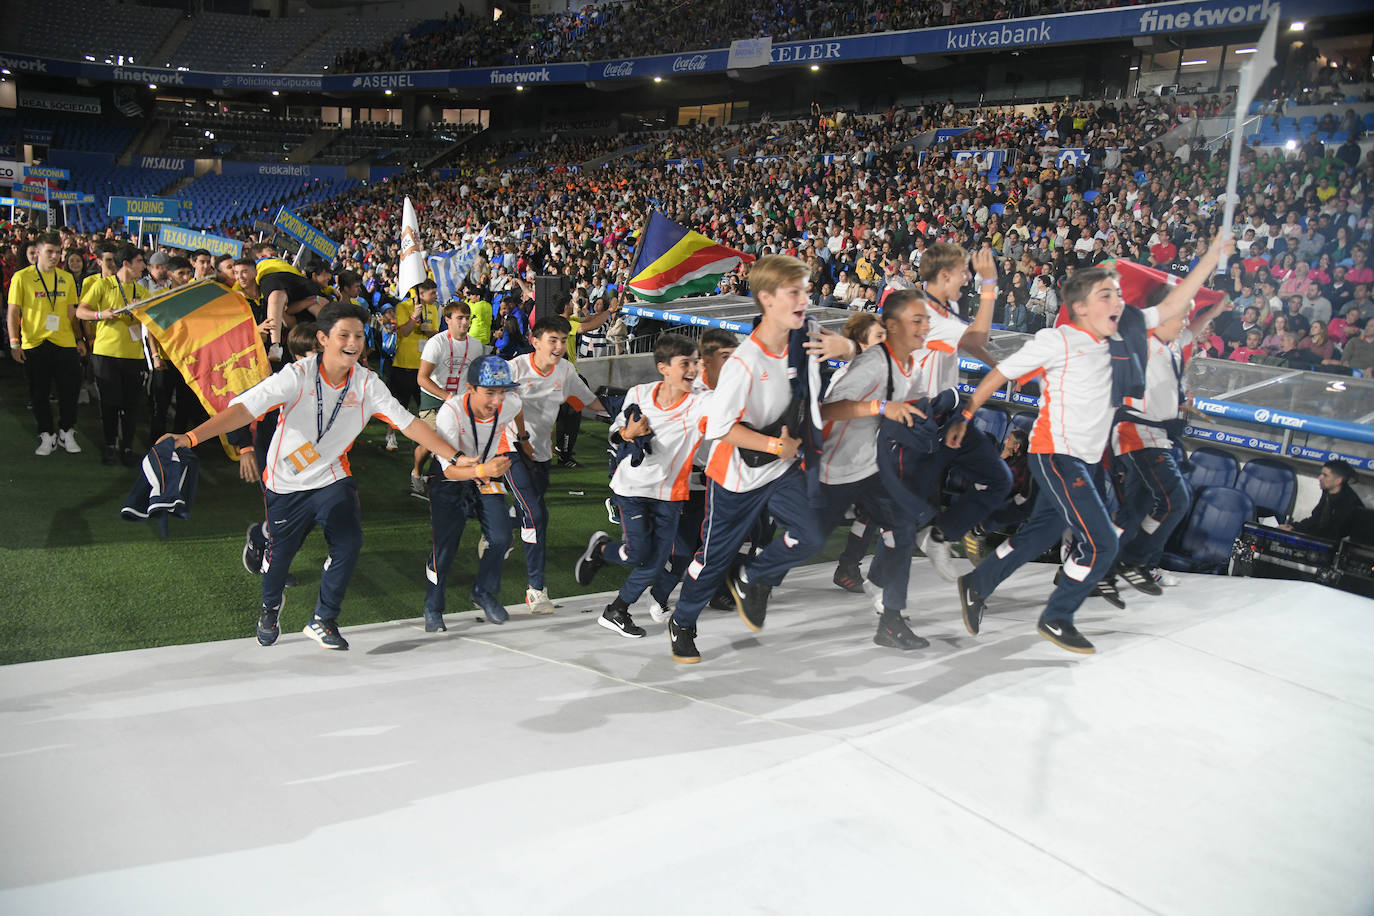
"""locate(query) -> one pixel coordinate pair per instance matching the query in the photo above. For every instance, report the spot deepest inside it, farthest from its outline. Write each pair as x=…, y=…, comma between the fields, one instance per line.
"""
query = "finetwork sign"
x=541, y=75
x=24, y=64
x=149, y=76
x=1205, y=16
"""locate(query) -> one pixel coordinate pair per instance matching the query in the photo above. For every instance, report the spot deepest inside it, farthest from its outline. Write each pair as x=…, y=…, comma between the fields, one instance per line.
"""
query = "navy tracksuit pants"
x=291, y=516
x=1155, y=501
x=1068, y=498
x=891, y=566
x=730, y=517
x=451, y=504
x=529, y=481
x=989, y=483
x=649, y=528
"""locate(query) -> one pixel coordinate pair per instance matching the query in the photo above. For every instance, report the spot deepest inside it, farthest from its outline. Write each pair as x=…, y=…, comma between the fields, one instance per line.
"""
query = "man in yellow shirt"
x=46, y=338
x=422, y=321
x=481, y=318
x=118, y=353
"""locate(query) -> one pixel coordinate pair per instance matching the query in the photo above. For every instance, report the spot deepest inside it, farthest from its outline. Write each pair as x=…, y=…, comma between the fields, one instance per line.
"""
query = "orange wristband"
x=774, y=445
x=191, y=438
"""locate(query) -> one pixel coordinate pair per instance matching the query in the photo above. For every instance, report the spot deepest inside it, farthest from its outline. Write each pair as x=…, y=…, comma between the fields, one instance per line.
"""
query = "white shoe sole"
x=615, y=629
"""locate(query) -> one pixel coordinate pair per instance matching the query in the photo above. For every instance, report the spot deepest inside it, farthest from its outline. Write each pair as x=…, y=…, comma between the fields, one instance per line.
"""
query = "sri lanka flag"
x=674, y=261
x=207, y=331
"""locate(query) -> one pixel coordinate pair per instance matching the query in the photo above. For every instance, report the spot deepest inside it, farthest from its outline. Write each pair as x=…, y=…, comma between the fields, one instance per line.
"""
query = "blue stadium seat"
x=1209, y=467
x=1023, y=421
x=1090, y=196
x=1211, y=530
x=999, y=209
x=1272, y=485
x=991, y=421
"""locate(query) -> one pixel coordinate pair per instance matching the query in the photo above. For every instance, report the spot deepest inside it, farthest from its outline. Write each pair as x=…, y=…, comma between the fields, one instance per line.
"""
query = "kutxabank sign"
x=1035, y=31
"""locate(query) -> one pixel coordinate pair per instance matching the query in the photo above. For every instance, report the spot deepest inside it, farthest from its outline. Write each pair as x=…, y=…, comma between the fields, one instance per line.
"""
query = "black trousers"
x=120, y=384
x=45, y=364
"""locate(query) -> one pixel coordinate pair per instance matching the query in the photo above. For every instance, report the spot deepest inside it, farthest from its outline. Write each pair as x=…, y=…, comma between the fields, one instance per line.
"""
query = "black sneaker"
x=751, y=601
x=109, y=456
x=684, y=643
x=493, y=610
x=620, y=621
x=326, y=633
x=849, y=578
x=894, y=633
x=722, y=601
x=973, y=605
x=1140, y=578
x=434, y=622
x=252, y=555
x=1104, y=589
x=567, y=461
x=269, y=626
x=291, y=581
x=1065, y=636
x=590, y=563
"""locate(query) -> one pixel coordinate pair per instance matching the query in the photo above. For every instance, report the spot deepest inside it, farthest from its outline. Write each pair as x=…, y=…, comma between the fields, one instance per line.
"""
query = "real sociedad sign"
x=1036, y=31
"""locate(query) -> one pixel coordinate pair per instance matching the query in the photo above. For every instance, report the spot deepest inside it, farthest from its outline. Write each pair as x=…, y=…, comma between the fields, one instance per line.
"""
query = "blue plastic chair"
x=1210, y=533
x=999, y=209
x=1209, y=467
x=991, y=421
x=1272, y=485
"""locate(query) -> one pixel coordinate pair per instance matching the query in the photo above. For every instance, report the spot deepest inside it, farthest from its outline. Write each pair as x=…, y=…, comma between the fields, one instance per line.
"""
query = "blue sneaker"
x=494, y=610
x=269, y=624
x=434, y=622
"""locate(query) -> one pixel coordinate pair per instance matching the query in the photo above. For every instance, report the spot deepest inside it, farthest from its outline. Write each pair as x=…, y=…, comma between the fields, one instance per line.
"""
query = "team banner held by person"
x=674, y=261
x=451, y=268
x=412, y=253
x=207, y=331
x=1137, y=281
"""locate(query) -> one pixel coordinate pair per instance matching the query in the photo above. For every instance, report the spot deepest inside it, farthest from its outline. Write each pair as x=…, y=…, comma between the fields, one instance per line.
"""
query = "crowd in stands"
x=643, y=27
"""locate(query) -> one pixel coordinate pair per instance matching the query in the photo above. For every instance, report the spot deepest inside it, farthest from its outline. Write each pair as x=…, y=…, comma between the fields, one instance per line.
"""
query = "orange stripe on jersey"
x=1030, y=376
x=680, y=490
x=1042, y=440
x=939, y=346
x=1128, y=438
x=718, y=468
x=343, y=460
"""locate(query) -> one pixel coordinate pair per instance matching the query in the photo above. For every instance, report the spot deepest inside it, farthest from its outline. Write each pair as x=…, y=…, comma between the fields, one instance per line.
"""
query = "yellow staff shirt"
x=122, y=336
x=44, y=303
x=408, y=348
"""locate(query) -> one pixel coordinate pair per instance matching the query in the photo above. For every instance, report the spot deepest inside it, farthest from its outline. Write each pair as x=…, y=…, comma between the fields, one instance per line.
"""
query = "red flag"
x=1137, y=281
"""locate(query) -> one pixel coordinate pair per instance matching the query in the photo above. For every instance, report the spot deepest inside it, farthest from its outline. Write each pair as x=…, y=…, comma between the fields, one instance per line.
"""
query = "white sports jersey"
x=451, y=358
x=1162, y=373
x=702, y=392
x=491, y=437
x=665, y=474
x=940, y=358
x=542, y=393
x=1075, y=373
x=850, y=452
x=753, y=388
x=298, y=458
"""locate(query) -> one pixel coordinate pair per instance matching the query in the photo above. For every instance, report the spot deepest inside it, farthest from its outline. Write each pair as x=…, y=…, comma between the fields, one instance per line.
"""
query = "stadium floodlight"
x=152, y=85
x=1192, y=63
x=388, y=92
x=1297, y=26
x=658, y=79
x=275, y=92
x=1291, y=144
x=519, y=88
x=815, y=67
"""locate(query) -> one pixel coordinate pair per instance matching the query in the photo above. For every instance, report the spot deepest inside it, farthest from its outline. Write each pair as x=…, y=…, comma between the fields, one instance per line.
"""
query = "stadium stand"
x=89, y=29
x=250, y=136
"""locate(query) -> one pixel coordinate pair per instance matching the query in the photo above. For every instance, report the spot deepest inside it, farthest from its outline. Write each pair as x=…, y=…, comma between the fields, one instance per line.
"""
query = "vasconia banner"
x=1163, y=19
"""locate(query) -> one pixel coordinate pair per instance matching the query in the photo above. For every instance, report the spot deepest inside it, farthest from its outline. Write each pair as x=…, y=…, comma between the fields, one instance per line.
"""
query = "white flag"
x=412, y=254
x=1251, y=76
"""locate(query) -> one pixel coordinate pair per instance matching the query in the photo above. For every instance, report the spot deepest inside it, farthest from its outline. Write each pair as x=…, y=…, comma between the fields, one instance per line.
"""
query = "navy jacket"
x=166, y=485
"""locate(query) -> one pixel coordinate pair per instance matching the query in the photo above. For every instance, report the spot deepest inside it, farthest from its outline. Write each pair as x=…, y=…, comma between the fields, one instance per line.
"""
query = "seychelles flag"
x=674, y=261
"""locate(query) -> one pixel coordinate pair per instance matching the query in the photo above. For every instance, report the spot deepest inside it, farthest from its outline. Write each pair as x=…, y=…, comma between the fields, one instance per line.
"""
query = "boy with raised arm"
x=325, y=402
x=1074, y=365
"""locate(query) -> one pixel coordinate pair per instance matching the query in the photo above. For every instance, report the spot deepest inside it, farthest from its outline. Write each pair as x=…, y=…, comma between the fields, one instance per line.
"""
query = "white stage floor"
x=1215, y=757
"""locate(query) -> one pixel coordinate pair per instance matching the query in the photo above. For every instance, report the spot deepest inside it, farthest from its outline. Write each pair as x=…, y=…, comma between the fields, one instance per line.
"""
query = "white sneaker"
x=391, y=445
x=659, y=613
x=46, y=443
x=67, y=439
x=937, y=552
x=538, y=601
x=876, y=595
x=1164, y=577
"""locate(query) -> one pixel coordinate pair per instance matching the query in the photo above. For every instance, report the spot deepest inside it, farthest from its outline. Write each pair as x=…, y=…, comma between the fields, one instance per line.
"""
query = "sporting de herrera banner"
x=674, y=261
x=207, y=331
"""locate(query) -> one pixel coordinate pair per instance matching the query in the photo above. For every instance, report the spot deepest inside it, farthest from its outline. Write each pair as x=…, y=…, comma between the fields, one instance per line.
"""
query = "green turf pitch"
x=76, y=579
